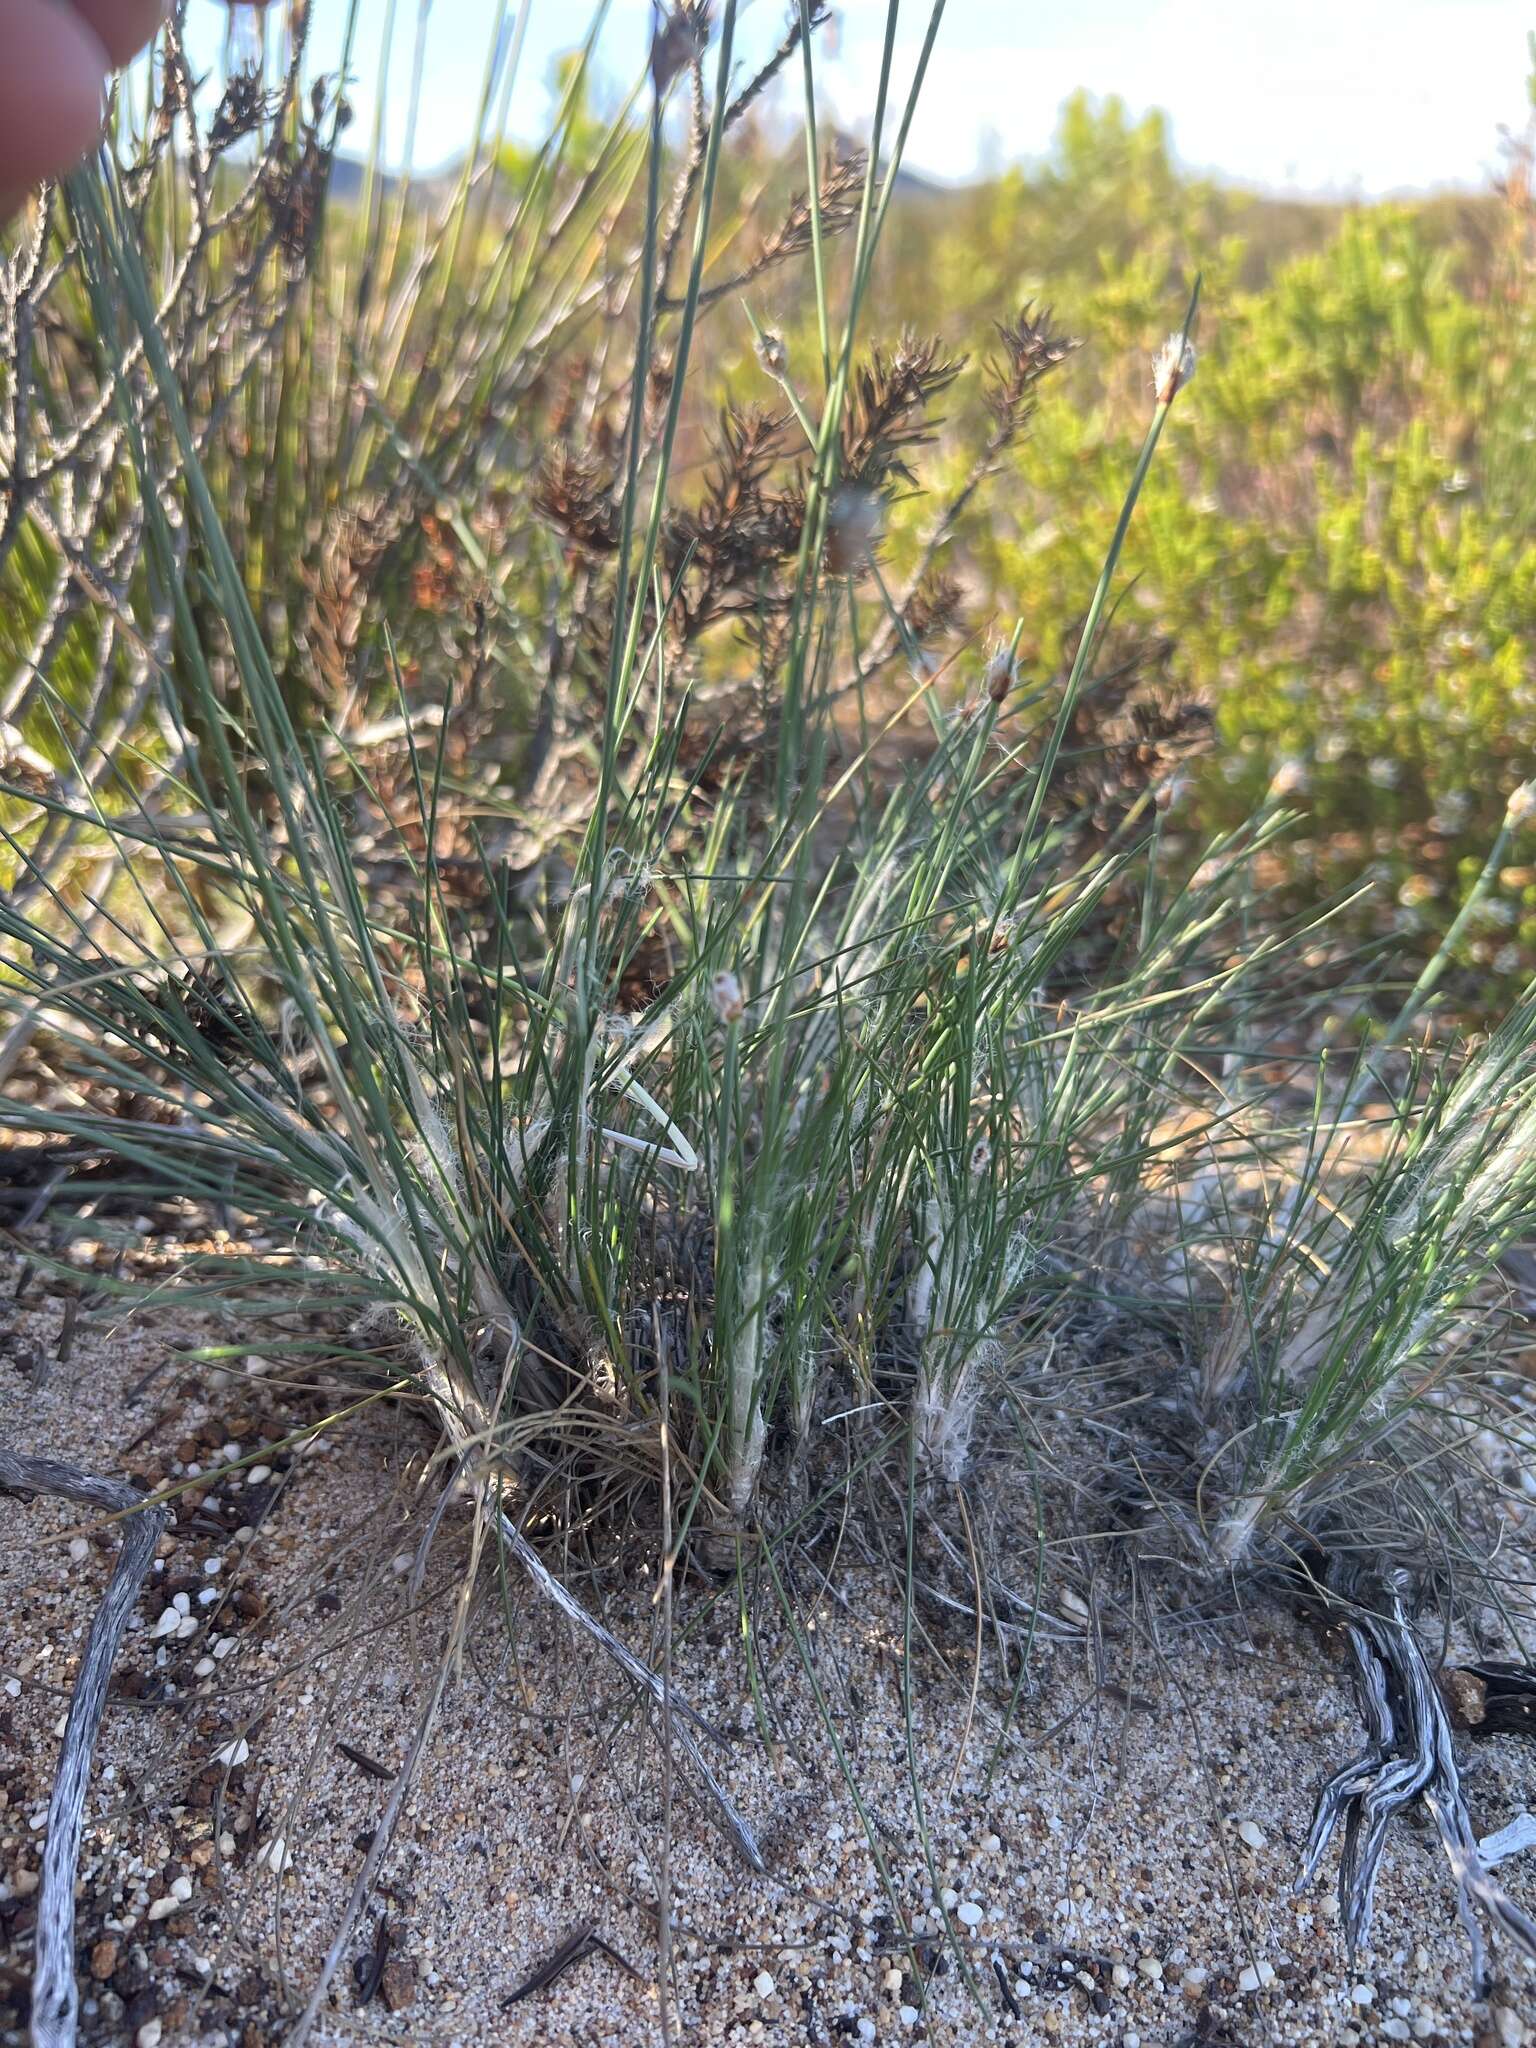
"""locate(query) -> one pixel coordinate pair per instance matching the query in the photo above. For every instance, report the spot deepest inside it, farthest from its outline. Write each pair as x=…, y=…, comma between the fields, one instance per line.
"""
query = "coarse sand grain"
x=1113, y=1850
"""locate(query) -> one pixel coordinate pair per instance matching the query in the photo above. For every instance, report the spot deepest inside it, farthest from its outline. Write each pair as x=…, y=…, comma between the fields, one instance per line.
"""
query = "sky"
x=1339, y=96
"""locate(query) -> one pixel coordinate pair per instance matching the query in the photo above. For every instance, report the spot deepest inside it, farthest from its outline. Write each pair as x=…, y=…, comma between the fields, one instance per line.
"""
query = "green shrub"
x=1338, y=556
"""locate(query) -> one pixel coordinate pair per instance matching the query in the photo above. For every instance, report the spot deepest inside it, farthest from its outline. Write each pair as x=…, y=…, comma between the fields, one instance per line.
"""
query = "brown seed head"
x=726, y=997
x=1173, y=368
x=1002, y=674
x=772, y=354
x=679, y=38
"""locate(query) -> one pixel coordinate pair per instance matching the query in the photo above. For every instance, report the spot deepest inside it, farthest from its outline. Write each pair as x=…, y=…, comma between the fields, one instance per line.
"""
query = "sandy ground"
x=1117, y=1860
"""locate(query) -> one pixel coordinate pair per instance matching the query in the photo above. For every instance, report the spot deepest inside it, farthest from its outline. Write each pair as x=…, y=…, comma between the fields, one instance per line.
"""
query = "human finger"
x=122, y=27
x=50, y=90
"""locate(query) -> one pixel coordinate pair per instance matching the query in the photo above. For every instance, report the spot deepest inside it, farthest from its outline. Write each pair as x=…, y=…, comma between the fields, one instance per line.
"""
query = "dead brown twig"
x=584, y=1942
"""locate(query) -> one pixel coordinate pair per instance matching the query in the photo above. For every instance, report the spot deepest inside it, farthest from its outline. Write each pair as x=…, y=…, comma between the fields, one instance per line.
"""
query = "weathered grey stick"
x=383, y=1834
x=55, y=2000
x=678, y=1710
x=1409, y=1755
x=470, y=1432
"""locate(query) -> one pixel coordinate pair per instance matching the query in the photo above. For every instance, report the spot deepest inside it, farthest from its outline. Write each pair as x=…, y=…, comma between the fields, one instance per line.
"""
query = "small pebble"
x=1150, y=1968
x=148, y=2035
x=233, y=1753
x=763, y=1984
x=167, y=1625
x=401, y=1563
x=1120, y=1976
x=908, y=2015
x=1256, y=1977
x=79, y=1549
x=969, y=1914
x=257, y=1474
x=1250, y=1832
x=1363, y=1994
x=212, y=1565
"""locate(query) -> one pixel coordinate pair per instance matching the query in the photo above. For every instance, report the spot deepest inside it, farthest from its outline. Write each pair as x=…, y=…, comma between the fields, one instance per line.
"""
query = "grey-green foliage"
x=919, y=1064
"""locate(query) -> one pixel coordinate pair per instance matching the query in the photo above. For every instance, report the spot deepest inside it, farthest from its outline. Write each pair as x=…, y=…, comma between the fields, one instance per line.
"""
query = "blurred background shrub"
x=1333, y=574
